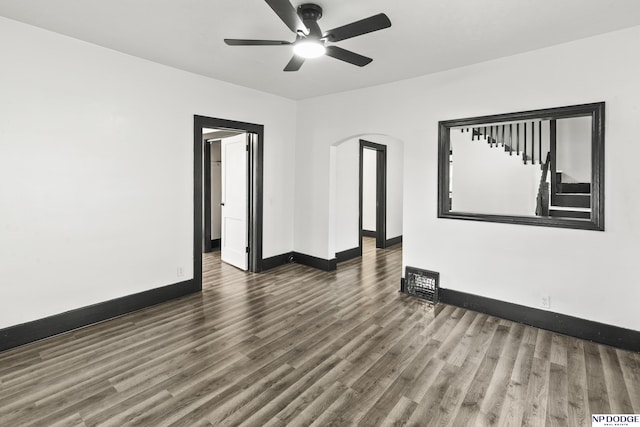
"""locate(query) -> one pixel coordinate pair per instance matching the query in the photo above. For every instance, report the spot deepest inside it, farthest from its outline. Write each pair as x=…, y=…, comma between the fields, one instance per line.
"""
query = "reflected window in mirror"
x=542, y=167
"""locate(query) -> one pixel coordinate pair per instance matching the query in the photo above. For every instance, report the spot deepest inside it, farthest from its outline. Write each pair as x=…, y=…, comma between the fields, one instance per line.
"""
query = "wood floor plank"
x=619, y=399
x=577, y=399
x=268, y=406
x=557, y=412
x=320, y=406
x=538, y=386
x=74, y=420
x=630, y=365
x=596, y=384
x=129, y=416
x=194, y=377
x=471, y=404
x=377, y=378
x=321, y=394
x=514, y=404
x=394, y=393
x=399, y=414
x=452, y=333
x=335, y=415
x=297, y=346
x=558, y=352
x=495, y=394
x=468, y=341
x=441, y=400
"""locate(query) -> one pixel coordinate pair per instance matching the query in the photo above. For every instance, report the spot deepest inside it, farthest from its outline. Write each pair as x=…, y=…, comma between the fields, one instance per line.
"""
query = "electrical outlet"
x=180, y=271
x=545, y=301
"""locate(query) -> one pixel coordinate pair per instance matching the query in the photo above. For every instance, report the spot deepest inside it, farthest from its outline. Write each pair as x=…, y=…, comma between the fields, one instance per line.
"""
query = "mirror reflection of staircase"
x=570, y=199
x=567, y=199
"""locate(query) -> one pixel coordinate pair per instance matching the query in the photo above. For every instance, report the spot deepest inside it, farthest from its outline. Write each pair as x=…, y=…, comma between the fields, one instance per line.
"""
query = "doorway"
x=375, y=170
x=212, y=140
x=252, y=151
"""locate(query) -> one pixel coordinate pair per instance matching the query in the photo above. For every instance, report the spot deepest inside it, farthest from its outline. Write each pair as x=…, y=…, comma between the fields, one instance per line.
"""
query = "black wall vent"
x=422, y=283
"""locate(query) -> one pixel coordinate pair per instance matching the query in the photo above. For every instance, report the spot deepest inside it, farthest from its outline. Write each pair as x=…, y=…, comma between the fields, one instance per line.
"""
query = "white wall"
x=513, y=263
x=573, y=148
x=96, y=156
x=488, y=180
x=347, y=204
x=343, y=210
x=369, y=158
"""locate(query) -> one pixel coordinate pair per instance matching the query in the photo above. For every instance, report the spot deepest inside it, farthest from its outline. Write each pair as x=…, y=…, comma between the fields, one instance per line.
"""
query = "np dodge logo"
x=615, y=420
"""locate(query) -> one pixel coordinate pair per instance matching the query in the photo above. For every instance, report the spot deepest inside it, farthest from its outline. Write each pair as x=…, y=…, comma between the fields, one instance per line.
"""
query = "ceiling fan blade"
x=288, y=14
x=295, y=63
x=358, y=28
x=347, y=56
x=248, y=42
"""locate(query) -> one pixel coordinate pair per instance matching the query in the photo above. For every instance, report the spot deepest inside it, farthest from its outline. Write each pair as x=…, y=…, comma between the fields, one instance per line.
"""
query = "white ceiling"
x=426, y=35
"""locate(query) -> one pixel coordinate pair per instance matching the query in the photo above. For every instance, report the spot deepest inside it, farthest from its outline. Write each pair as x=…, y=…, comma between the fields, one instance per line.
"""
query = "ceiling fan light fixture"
x=309, y=48
x=310, y=39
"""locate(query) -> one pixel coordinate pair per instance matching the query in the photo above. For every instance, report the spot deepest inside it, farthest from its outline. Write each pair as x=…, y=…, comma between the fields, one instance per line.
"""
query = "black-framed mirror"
x=540, y=167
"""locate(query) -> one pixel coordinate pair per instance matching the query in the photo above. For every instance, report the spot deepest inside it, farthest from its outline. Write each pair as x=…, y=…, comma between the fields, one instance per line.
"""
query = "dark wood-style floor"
x=297, y=346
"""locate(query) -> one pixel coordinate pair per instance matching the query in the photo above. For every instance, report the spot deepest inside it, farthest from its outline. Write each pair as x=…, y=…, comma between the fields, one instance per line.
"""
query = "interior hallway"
x=298, y=346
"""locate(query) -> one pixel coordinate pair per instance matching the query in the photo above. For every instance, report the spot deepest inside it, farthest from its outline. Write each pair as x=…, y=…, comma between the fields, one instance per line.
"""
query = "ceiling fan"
x=310, y=40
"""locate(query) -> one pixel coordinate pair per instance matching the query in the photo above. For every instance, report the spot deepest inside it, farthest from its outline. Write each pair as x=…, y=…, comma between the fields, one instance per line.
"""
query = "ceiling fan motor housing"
x=309, y=11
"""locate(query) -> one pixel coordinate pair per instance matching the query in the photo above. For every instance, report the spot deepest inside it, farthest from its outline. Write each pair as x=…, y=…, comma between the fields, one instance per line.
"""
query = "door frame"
x=381, y=192
x=255, y=197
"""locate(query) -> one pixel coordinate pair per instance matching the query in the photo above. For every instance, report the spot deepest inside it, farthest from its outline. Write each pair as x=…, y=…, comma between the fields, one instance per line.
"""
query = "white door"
x=234, y=234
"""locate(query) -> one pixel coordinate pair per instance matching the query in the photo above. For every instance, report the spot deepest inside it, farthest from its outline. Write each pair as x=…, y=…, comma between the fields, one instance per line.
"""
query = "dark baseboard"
x=277, y=261
x=308, y=260
x=18, y=335
x=315, y=262
x=215, y=243
x=348, y=254
x=393, y=241
x=369, y=233
x=626, y=339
